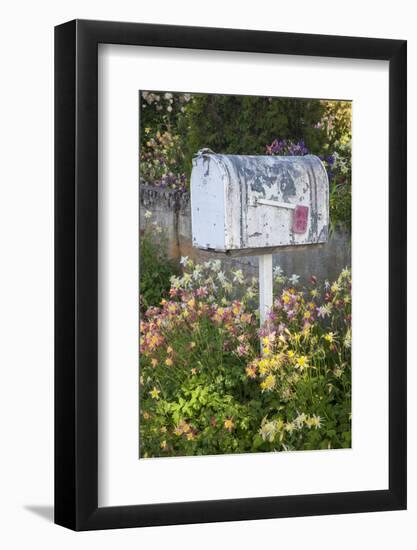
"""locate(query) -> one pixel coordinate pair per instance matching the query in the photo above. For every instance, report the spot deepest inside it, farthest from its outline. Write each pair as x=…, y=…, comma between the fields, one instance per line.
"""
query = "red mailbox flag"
x=300, y=219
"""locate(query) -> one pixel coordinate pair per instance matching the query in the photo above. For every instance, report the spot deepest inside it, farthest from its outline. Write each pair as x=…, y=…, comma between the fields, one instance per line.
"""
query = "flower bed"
x=212, y=383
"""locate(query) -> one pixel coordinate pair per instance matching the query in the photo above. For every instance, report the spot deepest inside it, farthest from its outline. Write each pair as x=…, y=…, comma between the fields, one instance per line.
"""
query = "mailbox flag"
x=300, y=219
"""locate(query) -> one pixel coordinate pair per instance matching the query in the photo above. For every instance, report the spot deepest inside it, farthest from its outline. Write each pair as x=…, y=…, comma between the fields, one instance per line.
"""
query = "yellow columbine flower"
x=154, y=362
x=169, y=349
x=154, y=393
x=269, y=383
x=251, y=372
x=263, y=366
x=193, y=371
x=266, y=350
x=228, y=424
x=169, y=362
x=302, y=362
x=290, y=427
x=329, y=337
x=185, y=427
x=190, y=436
x=307, y=315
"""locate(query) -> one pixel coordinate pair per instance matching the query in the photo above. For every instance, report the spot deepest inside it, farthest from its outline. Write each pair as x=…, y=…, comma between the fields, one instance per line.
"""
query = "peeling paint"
x=226, y=215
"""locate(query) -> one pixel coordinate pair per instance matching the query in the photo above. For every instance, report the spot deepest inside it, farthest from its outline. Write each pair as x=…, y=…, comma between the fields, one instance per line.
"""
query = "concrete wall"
x=171, y=210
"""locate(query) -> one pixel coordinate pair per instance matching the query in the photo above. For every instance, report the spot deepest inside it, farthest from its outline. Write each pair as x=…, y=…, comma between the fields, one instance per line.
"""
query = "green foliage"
x=156, y=268
x=206, y=387
x=246, y=124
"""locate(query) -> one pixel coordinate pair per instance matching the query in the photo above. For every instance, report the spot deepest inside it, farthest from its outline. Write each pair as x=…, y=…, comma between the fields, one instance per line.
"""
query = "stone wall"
x=171, y=210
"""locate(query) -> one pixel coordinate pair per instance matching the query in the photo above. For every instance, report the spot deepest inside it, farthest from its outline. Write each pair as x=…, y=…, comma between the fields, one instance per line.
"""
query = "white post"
x=265, y=285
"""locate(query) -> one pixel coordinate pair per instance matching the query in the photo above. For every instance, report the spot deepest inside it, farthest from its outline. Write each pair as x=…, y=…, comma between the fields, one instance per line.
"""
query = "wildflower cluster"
x=213, y=382
x=161, y=151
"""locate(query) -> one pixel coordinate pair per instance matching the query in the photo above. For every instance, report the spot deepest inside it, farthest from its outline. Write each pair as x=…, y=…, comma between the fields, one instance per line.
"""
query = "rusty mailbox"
x=254, y=204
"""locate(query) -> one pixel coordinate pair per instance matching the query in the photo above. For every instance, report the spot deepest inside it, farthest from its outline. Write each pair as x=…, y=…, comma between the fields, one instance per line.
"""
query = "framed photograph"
x=230, y=284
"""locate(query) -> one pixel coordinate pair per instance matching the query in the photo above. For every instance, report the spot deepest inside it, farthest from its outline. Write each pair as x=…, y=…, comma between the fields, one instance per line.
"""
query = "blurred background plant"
x=174, y=126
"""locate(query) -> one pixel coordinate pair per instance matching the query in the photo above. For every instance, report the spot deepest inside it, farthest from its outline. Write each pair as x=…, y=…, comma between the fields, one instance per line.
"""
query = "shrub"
x=206, y=387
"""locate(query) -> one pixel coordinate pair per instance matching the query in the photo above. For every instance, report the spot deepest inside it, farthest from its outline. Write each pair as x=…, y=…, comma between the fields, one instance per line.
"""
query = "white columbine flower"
x=216, y=265
x=197, y=272
x=294, y=279
x=221, y=277
x=324, y=311
x=175, y=282
x=300, y=420
x=184, y=260
x=238, y=276
x=148, y=214
x=277, y=271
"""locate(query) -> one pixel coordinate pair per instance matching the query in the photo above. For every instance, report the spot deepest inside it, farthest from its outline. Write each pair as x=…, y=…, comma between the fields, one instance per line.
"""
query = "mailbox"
x=254, y=204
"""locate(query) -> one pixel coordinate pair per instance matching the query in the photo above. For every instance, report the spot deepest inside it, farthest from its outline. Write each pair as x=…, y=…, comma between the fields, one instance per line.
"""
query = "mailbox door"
x=287, y=203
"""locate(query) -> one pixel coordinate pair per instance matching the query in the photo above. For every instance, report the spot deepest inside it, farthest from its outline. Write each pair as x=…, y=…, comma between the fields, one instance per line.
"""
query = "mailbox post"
x=257, y=205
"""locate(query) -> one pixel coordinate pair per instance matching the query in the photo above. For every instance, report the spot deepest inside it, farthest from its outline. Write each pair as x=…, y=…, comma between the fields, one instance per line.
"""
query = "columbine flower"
x=201, y=291
x=329, y=337
x=302, y=362
x=278, y=271
x=148, y=214
x=184, y=260
x=269, y=429
x=315, y=421
x=154, y=393
x=169, y=362
x=294, y=279
x=175, y=282
x=251, y=371
x=300, y=420
x=216, y=265
x=197, y=272
x=242, y=350
x=269, y=383
x=238, y=276
x=348, y=339
x=290, y=427
x=335, y=288
x=229, y=424
x=324, y=311
x=221, y=277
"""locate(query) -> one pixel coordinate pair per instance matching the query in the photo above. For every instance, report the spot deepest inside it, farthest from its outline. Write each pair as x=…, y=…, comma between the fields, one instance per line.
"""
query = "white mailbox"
x=258, y=203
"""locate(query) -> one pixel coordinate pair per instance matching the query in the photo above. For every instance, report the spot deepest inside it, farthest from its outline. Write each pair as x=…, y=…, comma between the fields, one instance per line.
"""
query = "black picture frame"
x=76, y=272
